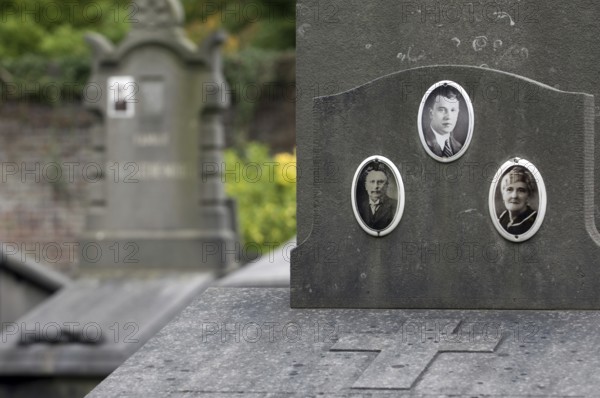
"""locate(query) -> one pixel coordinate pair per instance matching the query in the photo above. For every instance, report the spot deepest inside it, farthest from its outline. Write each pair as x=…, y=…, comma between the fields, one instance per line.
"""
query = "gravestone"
x=367, y=128
x=446, y=252
x=549, y=272
x=343, y=44
x=156, y=193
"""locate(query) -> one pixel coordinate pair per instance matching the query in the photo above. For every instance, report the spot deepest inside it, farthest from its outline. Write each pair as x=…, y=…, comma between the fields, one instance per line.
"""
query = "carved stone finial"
x=152, y=14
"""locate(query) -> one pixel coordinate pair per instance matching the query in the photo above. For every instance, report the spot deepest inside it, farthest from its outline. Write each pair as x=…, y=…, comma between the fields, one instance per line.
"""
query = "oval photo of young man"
x=377, y=196
x=517, y=200
x=446, y=121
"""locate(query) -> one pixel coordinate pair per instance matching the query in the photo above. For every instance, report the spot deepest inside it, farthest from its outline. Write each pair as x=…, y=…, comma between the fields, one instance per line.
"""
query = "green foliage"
x=265, y=190
x=246, y=72
x=64, y=42
x=41, y=41
x=42, y=47
x=56, y=29
x=47, y=81
x=265, y=24
x=17, y=39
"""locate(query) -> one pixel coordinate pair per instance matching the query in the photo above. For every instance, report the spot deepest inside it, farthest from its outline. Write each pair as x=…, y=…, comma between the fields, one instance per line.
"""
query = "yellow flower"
x=286, y=169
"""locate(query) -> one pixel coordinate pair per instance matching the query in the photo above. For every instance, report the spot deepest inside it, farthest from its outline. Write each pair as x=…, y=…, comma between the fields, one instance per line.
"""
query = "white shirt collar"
x=440, y=138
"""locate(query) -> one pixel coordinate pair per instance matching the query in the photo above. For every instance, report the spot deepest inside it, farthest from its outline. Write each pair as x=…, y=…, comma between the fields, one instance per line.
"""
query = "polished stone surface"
x=233, y=341
x=342, y=44
x=445, y=251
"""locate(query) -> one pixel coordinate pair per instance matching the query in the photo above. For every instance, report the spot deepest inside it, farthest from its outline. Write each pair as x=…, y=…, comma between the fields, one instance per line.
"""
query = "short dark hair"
x=376, y=165
x=445, y=90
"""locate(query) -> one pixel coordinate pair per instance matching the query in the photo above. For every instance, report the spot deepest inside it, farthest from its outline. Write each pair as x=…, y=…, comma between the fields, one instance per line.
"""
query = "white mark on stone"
x=515, y=52
x=303, y=28
x=497, y=44
x=368, y=46
x=484, y=66
x=409, y=57
x=502, y=15
x=479, y=43
x=456, y=40
x=363, y=276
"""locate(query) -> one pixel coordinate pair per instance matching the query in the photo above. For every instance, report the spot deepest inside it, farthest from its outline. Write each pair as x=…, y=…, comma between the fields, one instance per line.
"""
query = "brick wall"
x=42, y=215
x=42, y=185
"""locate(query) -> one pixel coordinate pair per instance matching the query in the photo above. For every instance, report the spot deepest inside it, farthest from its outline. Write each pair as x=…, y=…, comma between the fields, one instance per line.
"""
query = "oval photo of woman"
x=517, y=200
x=377, y=196
x=446, y=121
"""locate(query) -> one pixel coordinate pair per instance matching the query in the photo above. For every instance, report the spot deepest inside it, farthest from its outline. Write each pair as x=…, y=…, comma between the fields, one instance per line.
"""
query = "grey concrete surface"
x=270, y=270
x=248, y=342
x=90, y=327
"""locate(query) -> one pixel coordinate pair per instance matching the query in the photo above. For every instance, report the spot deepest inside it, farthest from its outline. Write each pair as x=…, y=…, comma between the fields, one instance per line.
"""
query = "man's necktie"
x=447, y=149
x=374, y=208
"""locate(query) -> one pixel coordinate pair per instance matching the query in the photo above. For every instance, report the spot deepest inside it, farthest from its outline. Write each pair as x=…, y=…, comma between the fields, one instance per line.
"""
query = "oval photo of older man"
x=377, y=196
x=446, y=121
x=517, y=200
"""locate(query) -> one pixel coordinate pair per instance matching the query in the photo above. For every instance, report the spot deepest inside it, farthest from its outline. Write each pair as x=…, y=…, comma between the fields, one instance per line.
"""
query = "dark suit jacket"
x=383, y=216
x=435, y=147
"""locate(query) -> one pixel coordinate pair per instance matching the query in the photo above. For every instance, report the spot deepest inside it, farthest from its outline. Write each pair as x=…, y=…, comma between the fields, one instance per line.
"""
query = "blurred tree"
x=42, y=40
x=55, y=29
x=265, y=24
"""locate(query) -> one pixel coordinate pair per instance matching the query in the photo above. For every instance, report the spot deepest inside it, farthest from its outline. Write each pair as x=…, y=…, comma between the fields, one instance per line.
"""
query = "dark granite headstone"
x=446, y=251
x=156, y=193
x=342, y=44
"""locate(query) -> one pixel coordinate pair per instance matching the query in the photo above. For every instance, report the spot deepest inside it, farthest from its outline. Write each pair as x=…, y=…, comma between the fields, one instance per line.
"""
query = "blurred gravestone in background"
x=160, y=199
x=45, y=128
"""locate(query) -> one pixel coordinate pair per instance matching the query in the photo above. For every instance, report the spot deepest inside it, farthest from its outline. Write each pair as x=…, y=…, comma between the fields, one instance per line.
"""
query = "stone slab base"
x=233, y=341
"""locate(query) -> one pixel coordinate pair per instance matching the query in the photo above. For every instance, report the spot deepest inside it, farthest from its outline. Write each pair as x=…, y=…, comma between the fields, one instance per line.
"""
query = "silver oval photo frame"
x=461, y=131
x=529, y=220
x=376, y=220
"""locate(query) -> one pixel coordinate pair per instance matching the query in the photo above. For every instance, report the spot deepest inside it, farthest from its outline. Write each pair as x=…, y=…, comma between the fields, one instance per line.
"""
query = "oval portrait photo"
x=377, y=195
x=517, y=200
x=446, y=121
